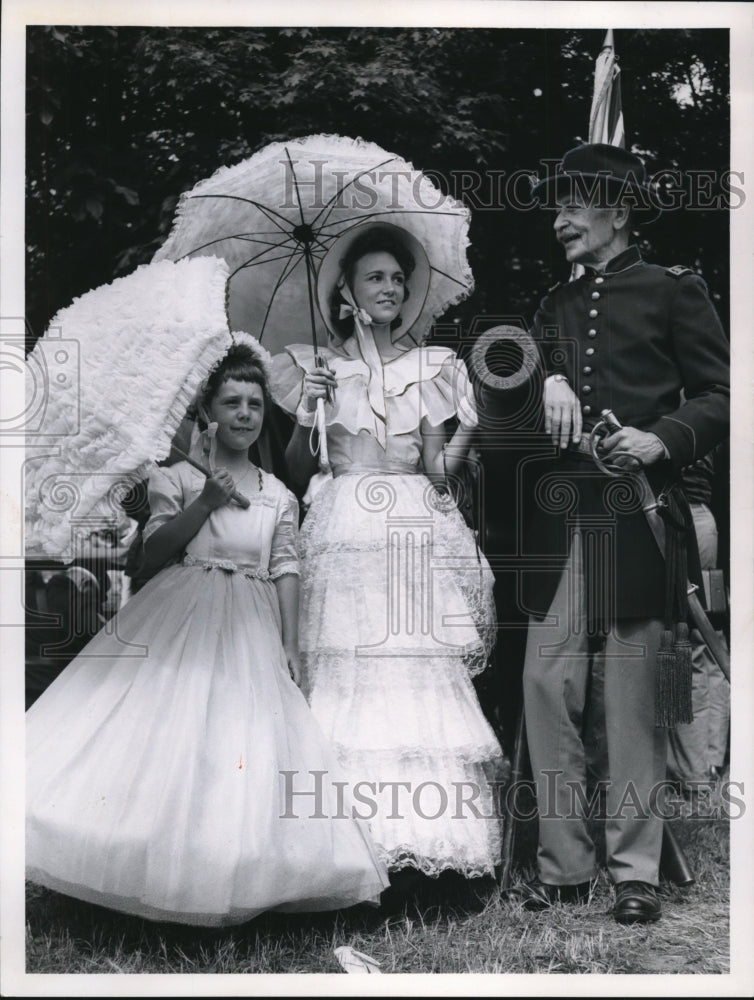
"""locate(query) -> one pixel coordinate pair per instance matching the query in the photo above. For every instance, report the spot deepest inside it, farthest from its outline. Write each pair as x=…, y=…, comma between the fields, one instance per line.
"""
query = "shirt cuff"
x=304, y=417
x=666, y=453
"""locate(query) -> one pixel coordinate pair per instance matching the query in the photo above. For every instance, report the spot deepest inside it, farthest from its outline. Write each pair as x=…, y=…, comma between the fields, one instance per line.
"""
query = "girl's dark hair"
x=371, y=241
x=241, y=363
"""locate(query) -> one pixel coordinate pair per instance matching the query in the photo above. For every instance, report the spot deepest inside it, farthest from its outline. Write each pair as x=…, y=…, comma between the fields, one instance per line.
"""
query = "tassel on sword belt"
x=651, y=505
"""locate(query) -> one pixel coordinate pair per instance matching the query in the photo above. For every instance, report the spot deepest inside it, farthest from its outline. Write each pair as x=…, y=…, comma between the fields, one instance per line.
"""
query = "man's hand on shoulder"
x=629, y=444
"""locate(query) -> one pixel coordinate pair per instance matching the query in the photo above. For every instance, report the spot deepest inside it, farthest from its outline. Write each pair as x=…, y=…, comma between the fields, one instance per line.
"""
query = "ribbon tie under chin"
x=362, y=315
x=362, y=323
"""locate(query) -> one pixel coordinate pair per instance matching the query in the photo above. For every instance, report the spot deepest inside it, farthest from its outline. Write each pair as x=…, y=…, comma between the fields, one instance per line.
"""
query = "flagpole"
x=606, y=115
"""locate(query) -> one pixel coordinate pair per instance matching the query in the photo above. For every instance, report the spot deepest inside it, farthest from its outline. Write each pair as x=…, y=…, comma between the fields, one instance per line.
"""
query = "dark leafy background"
x=120, y=121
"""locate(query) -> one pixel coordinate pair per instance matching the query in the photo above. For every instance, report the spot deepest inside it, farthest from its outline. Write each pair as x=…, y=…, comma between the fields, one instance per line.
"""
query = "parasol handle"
x=322, y=428
x=240, y=499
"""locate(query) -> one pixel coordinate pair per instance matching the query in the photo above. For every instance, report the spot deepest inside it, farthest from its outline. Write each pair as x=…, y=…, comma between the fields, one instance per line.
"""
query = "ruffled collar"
x=428, y=381
x=418, y=364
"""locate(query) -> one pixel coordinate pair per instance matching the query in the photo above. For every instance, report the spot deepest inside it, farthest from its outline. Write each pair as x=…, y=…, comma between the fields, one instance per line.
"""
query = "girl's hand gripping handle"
x=239, y=498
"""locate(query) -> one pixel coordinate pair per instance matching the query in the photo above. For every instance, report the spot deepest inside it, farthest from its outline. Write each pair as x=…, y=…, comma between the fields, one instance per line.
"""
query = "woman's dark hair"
x=370, y=241
x=241, y=363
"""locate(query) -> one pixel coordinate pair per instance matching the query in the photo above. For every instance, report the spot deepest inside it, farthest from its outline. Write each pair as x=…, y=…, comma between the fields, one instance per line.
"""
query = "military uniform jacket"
x=645, y=342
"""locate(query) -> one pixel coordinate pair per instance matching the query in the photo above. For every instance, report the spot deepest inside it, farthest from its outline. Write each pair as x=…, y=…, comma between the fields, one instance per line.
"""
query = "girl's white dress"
x=397, y=614
x=164, y=764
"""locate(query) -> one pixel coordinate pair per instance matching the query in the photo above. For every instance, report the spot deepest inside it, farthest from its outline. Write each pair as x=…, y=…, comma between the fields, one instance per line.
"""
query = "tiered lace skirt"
x=397, y=616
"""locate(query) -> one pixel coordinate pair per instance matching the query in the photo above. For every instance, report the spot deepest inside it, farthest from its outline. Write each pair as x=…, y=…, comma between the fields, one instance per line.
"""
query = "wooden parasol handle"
x=324, y=460
x=239, y=498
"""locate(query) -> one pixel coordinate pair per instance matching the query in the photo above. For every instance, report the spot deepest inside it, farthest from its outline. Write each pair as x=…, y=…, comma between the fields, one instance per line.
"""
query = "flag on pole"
x=606, y=116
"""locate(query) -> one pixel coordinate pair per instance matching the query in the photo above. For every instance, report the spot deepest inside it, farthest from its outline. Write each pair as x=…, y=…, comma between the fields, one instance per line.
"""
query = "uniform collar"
x=625, y=259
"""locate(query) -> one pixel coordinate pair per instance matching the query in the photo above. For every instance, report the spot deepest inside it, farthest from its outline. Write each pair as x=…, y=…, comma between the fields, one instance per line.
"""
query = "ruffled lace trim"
x=405, y=857
x=461, y=831
x=475, y=657
x=426, y=382
x=166, y=328
x=361, y=151
x=481, y=755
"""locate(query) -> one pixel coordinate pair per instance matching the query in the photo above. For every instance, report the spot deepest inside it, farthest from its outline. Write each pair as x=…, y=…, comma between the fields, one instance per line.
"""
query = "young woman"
x=163, y=762
x=397, y=612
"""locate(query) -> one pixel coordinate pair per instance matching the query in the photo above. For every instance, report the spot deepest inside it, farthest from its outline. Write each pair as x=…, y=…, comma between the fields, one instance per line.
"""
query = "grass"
x=448, y=925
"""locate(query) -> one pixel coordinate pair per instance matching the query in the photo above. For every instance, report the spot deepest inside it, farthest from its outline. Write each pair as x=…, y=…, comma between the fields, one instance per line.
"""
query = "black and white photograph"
x=377, y=495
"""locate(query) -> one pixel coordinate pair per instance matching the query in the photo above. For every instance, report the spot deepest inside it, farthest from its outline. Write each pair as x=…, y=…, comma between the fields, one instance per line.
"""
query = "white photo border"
x=16, y=15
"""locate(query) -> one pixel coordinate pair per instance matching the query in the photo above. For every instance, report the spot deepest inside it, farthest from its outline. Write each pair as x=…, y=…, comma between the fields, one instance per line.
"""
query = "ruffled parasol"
x=116, y=371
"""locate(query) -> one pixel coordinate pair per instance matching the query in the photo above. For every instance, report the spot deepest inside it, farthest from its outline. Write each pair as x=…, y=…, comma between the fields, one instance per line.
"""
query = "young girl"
x=163, y=763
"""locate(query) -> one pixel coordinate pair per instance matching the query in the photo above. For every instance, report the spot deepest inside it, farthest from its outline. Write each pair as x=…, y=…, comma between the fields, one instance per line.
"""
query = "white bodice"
x=423, y=384
x=261, y=539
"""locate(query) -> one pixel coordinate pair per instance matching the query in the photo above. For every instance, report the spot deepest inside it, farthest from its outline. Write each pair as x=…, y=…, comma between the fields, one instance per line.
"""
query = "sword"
x=650, y=506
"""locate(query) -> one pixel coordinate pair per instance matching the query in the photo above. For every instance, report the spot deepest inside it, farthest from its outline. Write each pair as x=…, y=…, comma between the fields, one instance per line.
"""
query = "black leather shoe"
x=636, y=903
x=537, y=895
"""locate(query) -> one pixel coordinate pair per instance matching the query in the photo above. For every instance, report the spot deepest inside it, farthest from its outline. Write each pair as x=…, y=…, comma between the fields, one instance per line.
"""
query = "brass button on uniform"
x=589, y=352
x=591, y=333
x=593, y=313
x=586, y=389
x=595, y=295
x=598, y=281
x=586, y=370
x=586, y=410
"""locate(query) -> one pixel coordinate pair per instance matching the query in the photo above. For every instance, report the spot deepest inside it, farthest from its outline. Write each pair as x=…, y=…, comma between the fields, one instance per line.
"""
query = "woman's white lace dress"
x=397, y=616
x=164, y=762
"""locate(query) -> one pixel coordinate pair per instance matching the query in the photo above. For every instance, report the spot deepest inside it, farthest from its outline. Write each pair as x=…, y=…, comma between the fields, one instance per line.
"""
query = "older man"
x=644, y=342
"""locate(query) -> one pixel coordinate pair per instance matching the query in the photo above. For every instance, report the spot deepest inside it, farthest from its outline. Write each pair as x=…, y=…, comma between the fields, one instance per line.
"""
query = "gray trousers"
x=556, y=682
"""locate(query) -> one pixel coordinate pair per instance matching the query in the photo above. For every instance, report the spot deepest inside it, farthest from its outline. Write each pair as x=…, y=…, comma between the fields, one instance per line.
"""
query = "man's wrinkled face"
x=587, y=233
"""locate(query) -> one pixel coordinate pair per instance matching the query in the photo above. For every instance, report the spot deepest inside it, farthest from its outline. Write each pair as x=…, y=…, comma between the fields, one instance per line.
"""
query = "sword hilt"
x=609, y=424
x=610, y=421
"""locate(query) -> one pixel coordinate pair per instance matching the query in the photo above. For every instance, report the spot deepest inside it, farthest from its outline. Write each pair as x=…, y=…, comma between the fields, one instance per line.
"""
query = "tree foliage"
x=121, y=120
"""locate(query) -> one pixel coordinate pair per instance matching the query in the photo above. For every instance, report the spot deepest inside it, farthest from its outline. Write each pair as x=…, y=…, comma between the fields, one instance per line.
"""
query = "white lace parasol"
x=110, y=381
x=273, y=217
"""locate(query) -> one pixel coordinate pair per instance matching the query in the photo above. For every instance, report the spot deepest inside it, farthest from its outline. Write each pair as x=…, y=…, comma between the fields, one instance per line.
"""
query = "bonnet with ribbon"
x=331, y=278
